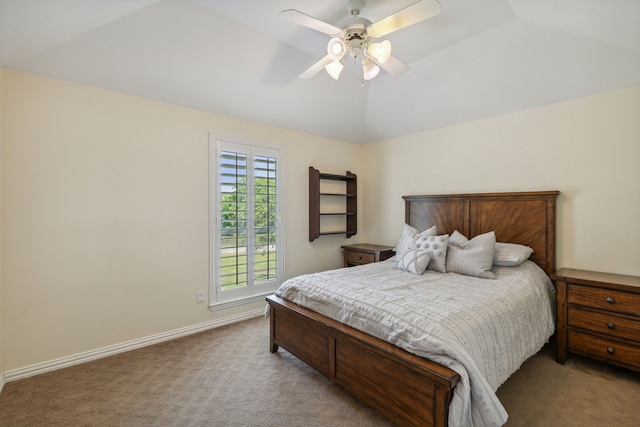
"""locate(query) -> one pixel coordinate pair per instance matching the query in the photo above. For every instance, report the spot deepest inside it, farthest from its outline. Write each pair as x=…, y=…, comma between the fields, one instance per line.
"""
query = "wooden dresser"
x=365, y=253
x=598, y=315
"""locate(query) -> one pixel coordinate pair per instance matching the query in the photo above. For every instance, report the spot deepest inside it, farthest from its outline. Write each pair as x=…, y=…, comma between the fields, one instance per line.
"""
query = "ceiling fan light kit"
x=356, y=35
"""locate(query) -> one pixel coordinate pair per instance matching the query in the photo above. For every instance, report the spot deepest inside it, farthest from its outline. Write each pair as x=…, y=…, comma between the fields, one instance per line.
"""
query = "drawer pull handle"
x=611, y=325
x=359, y=258
x=611, y=350
x=610, y=300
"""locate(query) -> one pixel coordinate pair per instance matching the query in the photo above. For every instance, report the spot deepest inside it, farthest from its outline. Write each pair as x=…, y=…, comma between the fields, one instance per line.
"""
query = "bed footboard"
x=407, y=389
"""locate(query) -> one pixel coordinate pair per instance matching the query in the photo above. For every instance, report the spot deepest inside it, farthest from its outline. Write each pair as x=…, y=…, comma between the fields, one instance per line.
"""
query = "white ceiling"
x=479, y=58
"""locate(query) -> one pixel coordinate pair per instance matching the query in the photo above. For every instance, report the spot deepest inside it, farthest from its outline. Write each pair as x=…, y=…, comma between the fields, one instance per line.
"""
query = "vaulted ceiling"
x=478, y=58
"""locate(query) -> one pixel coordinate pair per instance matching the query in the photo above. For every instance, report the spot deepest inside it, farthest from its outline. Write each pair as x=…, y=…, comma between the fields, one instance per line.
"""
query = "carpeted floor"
x=227, y=377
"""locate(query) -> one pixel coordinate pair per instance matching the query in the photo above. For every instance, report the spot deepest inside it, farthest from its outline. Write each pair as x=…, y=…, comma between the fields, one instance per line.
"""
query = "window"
x=246, y=232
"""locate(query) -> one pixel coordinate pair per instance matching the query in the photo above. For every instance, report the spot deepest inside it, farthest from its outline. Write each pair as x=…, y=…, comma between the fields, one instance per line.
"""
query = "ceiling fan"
x=356, y=35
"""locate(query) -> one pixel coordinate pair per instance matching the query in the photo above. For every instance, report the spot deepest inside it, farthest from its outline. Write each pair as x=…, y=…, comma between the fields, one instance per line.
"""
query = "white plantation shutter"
x=232, y=227
x=247, y=232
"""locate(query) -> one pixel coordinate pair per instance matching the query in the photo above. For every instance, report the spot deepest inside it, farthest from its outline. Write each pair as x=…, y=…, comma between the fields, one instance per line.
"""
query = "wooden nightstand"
x=598, y=315
x=365, y=253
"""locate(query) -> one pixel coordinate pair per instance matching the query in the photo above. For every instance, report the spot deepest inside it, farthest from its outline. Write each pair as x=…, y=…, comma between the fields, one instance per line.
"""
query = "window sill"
x=237, y=302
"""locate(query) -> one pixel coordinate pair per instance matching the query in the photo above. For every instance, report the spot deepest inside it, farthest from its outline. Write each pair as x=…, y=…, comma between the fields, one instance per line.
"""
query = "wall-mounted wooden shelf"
x=315, y=203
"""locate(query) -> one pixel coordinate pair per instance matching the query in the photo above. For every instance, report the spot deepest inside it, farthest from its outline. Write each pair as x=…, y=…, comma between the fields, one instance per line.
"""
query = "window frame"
x=219, y=299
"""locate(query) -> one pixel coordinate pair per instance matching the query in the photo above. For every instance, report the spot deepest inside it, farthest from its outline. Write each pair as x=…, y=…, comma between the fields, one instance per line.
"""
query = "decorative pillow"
x=511, y=254
x=436, y=247
x=414, y=261
x=472, y=257
x=406, y=238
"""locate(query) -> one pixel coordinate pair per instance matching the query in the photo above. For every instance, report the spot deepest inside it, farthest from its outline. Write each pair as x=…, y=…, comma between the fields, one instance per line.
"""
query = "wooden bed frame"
x=408, y=389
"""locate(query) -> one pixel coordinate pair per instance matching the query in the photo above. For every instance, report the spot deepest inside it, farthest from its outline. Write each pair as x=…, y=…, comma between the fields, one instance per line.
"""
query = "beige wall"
x=588, y=149
x=105, y=201
x=105, y=215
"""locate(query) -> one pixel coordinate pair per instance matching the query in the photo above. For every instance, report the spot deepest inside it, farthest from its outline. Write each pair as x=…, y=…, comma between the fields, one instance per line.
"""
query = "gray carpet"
x=579, y=393
x=227, y=377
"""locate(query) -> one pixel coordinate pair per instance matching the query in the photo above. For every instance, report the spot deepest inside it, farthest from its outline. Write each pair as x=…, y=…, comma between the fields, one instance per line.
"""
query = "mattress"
x=481, y=328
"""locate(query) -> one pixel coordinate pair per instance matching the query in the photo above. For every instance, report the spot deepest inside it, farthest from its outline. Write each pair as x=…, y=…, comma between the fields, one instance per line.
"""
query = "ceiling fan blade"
x=393, y=66
x=417, y=12
x=311, y=22
x=316, y=68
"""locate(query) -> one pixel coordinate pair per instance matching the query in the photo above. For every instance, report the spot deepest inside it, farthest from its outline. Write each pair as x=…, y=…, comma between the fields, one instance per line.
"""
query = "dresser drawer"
x=605, y=323
x=620, y=302
x=354, y=257
x=612, y=351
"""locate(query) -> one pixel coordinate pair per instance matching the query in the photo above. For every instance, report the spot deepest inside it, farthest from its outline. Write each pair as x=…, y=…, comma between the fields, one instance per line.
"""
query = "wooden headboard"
x=527, y=218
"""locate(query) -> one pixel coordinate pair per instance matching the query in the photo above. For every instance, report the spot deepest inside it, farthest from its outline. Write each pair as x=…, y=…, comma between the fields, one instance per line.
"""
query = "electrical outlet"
x=200, y=296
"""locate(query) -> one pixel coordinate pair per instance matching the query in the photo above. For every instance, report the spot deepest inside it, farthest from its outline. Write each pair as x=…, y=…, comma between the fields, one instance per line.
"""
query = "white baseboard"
x=87, y=356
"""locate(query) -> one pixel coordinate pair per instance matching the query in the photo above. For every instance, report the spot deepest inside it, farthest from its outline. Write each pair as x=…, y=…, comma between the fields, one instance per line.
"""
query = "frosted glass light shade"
x=380, y=51
x=334, y=69
x=369, y=69
x=336, y=48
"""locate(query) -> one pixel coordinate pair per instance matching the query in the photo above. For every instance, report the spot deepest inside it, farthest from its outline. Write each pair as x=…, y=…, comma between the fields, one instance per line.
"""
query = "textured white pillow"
x=472, y=257
x=436, y=247
x=406, y=238
x=414, y=261
x=511, y=254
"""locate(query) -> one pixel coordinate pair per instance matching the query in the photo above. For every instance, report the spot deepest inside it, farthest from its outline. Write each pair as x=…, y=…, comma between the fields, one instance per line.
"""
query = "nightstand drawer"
x=605, y=299
x=604, y=349
x=360, y=257
x=605, y=323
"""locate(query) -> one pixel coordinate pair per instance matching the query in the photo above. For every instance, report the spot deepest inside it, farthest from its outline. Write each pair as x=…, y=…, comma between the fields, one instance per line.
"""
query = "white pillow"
x=436, y=247
x=406, y=238
x=414, y=261
x=511, y=254
x=471, y=257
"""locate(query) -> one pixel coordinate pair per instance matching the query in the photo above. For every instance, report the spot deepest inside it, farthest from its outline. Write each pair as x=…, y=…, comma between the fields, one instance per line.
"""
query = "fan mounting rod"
x=355, y=6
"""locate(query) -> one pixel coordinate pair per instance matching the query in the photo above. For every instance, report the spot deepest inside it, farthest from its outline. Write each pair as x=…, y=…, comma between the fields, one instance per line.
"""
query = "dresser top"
x=595, y=277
